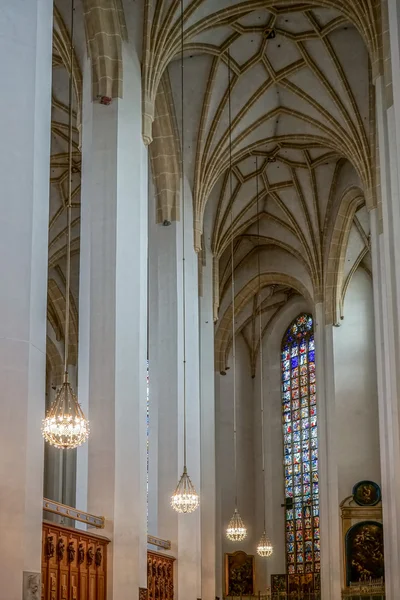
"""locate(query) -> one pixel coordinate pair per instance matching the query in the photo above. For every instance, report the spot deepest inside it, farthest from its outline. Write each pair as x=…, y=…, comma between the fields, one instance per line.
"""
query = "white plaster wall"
x=356, y=388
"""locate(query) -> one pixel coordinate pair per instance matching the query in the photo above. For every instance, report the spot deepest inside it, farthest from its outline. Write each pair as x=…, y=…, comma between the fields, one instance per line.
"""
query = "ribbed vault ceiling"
x=302, y=133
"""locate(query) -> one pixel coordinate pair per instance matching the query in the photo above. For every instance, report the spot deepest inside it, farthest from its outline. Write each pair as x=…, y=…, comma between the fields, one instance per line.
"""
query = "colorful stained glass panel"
x=299, y=414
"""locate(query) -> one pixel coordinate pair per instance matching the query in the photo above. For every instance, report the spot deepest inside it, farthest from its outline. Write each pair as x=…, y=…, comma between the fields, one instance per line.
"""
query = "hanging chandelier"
x=264, y=548
x=185, y=499
x=65, y=425
x=236, y=531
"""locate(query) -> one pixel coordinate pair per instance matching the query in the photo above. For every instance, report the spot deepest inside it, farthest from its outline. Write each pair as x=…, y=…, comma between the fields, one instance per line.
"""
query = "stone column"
x=25, y=72
x=207, y=434
x=385, y=245
x=189, y=531
x=164, y=331
x=166, y=394
x=114, y=257
x=328, y=474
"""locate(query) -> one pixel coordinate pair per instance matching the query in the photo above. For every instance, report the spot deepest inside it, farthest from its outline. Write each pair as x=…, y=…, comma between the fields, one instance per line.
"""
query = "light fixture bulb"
x=236, y=531
x=185, y=499
x=65, y=425
x=264, y=548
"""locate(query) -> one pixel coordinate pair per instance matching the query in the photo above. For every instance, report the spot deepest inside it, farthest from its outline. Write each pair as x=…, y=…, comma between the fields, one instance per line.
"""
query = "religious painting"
x=367, y=493
x=239, y=574
x=278, y=583
x=301, y=584
x=364, y=552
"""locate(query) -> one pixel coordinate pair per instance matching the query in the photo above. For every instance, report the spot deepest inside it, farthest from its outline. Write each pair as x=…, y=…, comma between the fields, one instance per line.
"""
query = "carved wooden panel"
x=160, y=576
x=74, y=564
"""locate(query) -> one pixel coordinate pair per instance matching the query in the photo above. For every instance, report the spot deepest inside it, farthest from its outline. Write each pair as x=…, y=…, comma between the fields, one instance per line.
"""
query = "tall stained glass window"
x=300, y=447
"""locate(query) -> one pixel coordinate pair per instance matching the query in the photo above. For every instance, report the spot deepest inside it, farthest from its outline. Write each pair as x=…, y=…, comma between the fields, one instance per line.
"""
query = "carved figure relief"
x=98, y=557
x=160, y=585
x=71, y=552
x=50, y=548
x=60, y=549
x=81, y=554
x=68, y=578
x=90, y=556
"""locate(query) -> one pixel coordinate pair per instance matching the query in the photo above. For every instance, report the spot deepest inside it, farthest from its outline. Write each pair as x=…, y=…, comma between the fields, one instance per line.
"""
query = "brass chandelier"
x=65, y=425
x=236, y=531
x=264, y=548
x=185, y=499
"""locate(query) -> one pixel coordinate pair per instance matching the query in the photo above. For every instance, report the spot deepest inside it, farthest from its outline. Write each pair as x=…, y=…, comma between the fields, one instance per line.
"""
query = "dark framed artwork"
x=278, y=583
x=239, y=574
x=301, y=583
x=364, y=552
x=367, y=493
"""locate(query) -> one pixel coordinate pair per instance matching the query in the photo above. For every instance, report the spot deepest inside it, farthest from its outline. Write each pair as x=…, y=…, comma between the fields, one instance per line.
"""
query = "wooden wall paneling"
x=160, y=576
x=74, y=564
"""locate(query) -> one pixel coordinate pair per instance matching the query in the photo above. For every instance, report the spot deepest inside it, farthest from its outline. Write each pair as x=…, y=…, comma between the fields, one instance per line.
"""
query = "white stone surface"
x=166, y=394
x=207, y=429
x=114, y=216
x=25, y=71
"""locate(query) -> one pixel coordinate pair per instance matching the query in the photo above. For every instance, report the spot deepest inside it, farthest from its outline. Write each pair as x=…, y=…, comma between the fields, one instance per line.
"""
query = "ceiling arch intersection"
x=163, y=30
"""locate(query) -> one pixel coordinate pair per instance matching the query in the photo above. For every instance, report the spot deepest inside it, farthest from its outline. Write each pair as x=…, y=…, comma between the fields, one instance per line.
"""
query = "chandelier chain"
x=232, y=278
x=183, y=239
x=260, y=342
x=69, y=205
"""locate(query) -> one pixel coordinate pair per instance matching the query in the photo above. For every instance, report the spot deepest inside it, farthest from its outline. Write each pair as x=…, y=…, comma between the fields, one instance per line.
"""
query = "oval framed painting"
x=367, y=493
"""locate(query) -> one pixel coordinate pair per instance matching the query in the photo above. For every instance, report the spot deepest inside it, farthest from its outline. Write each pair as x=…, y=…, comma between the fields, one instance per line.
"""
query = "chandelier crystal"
x=264, y=548
x=236, y=531
x=185, y=498
x=65, y=425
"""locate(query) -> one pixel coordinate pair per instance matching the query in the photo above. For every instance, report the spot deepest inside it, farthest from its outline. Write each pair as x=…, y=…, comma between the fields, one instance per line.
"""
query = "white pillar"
x=114, y=216
x=166, y=395
x=164, y=329
x=25, y=72
x=189, y=533
x=84, y=297
x=207, y=419
x=386, y=274
x=388, y=421
x=328, y=473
